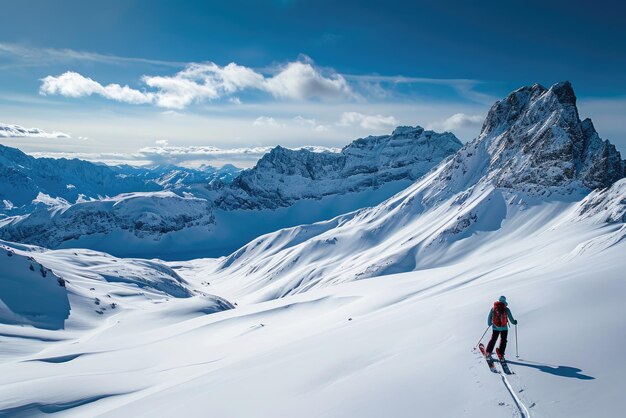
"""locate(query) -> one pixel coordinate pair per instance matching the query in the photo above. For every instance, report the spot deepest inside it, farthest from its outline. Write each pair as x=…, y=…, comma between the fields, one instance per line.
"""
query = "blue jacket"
x=504, y=328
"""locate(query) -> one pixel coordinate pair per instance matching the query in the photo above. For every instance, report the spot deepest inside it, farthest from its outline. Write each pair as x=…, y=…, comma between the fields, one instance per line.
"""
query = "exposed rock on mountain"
x=534, y=141
x=286, y=188
x=284, y=176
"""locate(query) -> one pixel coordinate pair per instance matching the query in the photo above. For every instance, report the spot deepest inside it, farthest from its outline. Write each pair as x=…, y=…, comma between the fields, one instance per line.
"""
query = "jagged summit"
x=533, y=140
x=531, y=167
x=283, y=175
x=508, y=111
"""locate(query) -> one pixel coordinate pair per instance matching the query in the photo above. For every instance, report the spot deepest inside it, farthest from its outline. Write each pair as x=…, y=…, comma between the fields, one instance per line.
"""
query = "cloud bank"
x=182, y=156
x=17, y=131
x=206, y=82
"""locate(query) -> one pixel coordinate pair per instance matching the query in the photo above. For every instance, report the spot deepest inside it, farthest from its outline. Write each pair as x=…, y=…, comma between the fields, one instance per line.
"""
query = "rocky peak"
x=284, y=176
x=414, y=131
x=535, y=137
x=531, y=105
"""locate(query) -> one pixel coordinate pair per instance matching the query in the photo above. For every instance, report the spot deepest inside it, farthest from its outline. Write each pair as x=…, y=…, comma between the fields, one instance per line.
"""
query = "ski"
x=503, y=363
x=490, y=361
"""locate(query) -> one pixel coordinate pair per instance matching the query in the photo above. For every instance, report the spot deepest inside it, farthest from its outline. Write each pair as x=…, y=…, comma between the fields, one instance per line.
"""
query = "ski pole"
x=516, y=346
x=481, y=338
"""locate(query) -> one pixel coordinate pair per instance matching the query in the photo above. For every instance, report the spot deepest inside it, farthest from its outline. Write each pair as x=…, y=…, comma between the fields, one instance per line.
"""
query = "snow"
x=372, y=313
x=394, y=341
x=396, y=344
x=286, y=188
x=30, y=293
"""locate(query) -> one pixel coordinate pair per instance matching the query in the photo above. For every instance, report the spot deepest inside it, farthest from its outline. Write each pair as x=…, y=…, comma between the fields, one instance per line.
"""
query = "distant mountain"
x=173, y=177
x=24, y=178
x=284, y=176
x=284, y=189
x=29, y=182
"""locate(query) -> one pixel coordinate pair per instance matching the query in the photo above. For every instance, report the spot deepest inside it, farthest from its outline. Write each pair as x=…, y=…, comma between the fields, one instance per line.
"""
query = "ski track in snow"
x=518, y=402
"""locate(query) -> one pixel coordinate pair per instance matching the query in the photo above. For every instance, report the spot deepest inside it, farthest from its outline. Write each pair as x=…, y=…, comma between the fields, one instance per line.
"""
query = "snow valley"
x=341, y=284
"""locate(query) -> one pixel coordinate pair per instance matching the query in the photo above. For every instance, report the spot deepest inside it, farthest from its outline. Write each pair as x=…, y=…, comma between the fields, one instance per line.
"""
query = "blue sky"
x=120, y=76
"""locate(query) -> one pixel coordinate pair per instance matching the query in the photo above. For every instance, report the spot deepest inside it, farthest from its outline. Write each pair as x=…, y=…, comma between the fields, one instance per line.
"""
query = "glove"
x=515, y=322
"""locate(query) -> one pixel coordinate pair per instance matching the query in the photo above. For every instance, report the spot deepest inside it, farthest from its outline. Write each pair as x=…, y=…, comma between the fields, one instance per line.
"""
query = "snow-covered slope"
x=370, y=314
x=534, y=165
x=30, y=294
x=284, y=189
x=76, y=290
x=396, y=345
x=134, y=214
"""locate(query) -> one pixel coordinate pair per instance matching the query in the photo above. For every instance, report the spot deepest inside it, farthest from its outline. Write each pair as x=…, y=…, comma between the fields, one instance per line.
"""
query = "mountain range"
x=381, y=306
x=285, y=188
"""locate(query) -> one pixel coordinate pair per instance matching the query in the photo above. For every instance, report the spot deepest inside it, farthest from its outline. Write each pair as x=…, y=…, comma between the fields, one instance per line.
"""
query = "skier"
x=498, y=318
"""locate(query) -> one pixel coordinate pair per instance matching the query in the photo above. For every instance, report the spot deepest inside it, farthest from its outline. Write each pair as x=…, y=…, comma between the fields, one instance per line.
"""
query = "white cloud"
x=71, y=84
x=17, y=131
x=161, y=142
x=206, y=82
x=267, y=121
x=456, y=121
x=372, y=122
x=299, y=80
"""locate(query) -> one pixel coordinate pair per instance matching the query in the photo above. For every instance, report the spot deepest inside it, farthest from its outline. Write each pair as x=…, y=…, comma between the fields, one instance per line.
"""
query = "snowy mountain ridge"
x=534, y=141
x=533, y=158
x=284, y=176
x=25, y=177
x=285, y=188
x=76, y=180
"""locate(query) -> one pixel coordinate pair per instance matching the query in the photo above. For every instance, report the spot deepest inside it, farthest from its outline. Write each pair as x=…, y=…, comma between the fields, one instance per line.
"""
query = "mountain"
x=171, y=177
x=25, y=178
x=284, y=176
x=132, y=216
x=284, y=189
x=392, y=297
x=29, y=180
x=534, y=141
x=534, y=161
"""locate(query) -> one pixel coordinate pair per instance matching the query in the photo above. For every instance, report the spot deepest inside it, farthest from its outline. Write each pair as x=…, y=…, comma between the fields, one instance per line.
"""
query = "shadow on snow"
x=563, y=371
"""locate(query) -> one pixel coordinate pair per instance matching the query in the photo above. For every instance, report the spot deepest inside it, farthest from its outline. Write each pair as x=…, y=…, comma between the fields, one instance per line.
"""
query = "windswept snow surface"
x=370, y=314
x=394, y=345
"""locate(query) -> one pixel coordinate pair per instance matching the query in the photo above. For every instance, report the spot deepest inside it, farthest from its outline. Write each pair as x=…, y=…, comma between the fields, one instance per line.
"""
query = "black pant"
x=494, y=338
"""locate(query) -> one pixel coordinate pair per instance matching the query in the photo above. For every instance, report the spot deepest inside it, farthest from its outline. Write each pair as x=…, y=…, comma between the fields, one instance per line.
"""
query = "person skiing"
x=498, y=319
